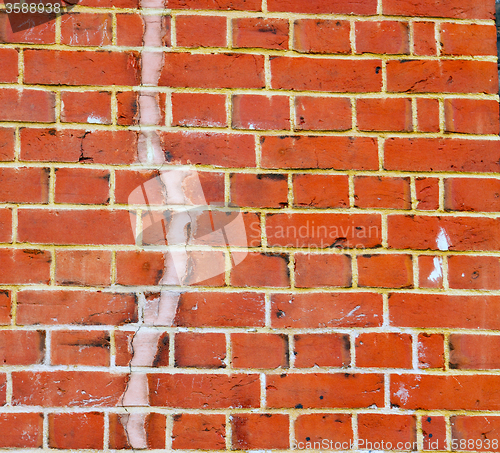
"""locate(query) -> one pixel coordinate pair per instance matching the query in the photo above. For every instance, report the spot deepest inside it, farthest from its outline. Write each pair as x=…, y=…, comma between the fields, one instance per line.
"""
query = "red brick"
x=430, y=392
x=474, y=352
x=24, y=185
x=67, y=388
x=434, y=432
x=199, y=431
x=316, y=270
x=430, y=271
x=475, y=433
x=384, y=114
x=321, y=36
x=129, y=30
x=9, y=59
x=238, y=5
x=368, y=7
x=386, y=37
x=72, y=145
x=260, y=269
x=61, y=67
x=321, y=191
x=252, y=431
x=220, y=309
x=14, y=29
x=338, y=76
x=461, y=9
x=154, y=428
x=73, y=347
x=76, y=430
x=427, y=193
x=19, y=266
x=447, y=311
x=75, y=307
x=86, y=107
x=213, y=391
x=441, y=154
x=212, y=71
x=260, y=191
x=385, y=429
x=207, y=148
x=325, y=390
x=82, y=186
x=21, y=347
x=86, y=29
x=322, y=349
x=127, y=103
x=383, y=350
x=75, y=227
x=323, y=230
x=260, y=32
x=5, y=307
x=430, y=350
x=200, y=350
x=330, y=310
x=5, y=225
x=83, y=267
x=199, y=110
x=259, y=350
x=322, y=113
x=382, y=192
x=332, y=430
x=139, y=267
x=21, y=430
x=385, y=271
x=474, y=272
x=125, y=352
x=338, y=153
x=27, y=105
x=201, y=31
x=471, y=116
x=461, y=233
x=252, y=111
x=424, y=38
x=468, y=39
x=441, y=76
x=461, y=194
x=7, y=138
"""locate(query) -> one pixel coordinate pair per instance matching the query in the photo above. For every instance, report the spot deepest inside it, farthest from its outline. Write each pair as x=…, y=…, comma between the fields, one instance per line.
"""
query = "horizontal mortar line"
x=126, y=370
x=241, y=90
x=121, y=289
x=233, y=410
x=270, y=211
x=253, y=132
x=236, y=91
x=254, y=51
x=172, y=330
x=260, y=249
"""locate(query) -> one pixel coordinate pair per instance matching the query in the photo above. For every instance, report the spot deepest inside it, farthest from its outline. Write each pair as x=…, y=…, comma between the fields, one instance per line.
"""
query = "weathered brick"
x=321, y=36
x=201, y=31
x=322, y=113
x=34, y=106
x=387, y=37
x=330, y=310
x=316, y=270
x=259, y=350
x=338, y=76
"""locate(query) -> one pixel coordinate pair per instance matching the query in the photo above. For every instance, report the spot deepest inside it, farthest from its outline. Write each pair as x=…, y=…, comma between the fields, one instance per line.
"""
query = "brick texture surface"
x=250, y=225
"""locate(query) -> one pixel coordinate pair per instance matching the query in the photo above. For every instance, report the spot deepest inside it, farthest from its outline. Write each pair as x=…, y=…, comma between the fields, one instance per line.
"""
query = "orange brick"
x=322, y=349
x=321, y=36
x=259, y=350
x=200, y=350
x=199, y=431
x=83, y=267
x=257, y=112
x=382, y=192
x=430, y=349
x=322, y=113
x=386, y=350
x=199, y=109
x=82, y=186
x=384, y=114
x=201, y=31
x=389, y=37
x=428, y=115
x=257, y=431
x=424, y=38
x=316, y=270
x=260, y=32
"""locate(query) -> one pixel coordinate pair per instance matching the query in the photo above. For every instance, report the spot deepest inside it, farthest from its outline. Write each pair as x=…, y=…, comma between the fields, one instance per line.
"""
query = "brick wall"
x=348, y=150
